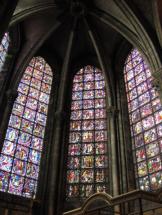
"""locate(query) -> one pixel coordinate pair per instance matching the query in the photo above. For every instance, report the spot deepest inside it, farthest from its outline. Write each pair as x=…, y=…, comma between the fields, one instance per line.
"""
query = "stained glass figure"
x=87, y=152
x=21, y=152
x=4, y=49
x=145, y=113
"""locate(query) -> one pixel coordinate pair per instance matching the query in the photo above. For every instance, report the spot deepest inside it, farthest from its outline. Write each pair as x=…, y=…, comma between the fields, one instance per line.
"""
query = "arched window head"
x=4, y=49
x=23, y=144
x=145, y=113
x=87, y=150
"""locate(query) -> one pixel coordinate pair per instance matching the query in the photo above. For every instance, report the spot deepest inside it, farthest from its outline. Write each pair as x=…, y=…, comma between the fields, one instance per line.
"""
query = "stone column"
x=112, y=113
x=57, y=142
x=55, y=167
x=11, y=95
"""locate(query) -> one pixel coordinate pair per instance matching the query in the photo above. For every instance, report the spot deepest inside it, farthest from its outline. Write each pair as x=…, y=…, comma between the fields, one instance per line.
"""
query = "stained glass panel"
x=87, y=159
x=145, y=113
x=4, y=49
x=21, y=152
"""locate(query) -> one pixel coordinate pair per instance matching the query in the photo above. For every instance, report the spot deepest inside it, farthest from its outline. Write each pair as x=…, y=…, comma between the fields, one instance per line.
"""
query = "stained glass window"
x=4, y=49
x=87, y=151
x=145, y=113
x=21, y=152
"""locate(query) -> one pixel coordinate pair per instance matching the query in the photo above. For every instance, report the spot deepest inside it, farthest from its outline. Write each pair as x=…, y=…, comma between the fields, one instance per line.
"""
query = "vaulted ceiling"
x=100, y=27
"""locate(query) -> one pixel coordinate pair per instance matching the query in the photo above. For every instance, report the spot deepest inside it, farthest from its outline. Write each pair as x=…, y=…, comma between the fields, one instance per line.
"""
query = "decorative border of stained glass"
x=4, y=49
x=87, y=162
x=145, y=114
x=21, y=152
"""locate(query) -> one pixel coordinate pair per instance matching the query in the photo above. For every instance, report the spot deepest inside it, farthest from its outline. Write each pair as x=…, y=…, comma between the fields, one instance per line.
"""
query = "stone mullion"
x=11, y=96
x=124, y=180
x=56, y=164
x=112, y=113
x=121, y=146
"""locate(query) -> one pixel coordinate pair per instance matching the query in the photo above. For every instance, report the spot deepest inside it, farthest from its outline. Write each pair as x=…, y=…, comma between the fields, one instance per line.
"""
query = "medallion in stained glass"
x=29, y=188
x=19, y=167
x=73, y=191
x=75, y=137
x=73, y=176
x=100, y=188
x=87, y=148
x=22, y=152
x=100, y=175
x=88, y=125
x=5, y=163
x=88, y=114
x=34, y=156
x=88, y=104
x=32, y=170
x=73, y=163
x=21, y=99
x=4, y=178
x=18, y=109
x=75, y=125
x=86, y=190
x=144, y=183
x=87, y=176
x=74, y=149
x=154, y=164
x=152, y=149
x=75, y=105
x=100, y=148
x=9, y=148
x=29, y=114
x=156, y=180
x=16, y=184
x=140, y=154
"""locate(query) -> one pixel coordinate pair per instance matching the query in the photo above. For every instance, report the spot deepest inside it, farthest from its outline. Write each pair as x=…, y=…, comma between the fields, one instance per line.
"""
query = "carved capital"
x=112, y=111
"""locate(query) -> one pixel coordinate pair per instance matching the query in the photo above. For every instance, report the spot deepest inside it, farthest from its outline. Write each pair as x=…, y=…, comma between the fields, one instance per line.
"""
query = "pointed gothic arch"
x=145, y=116
x=87, y=161
x=22, y=148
